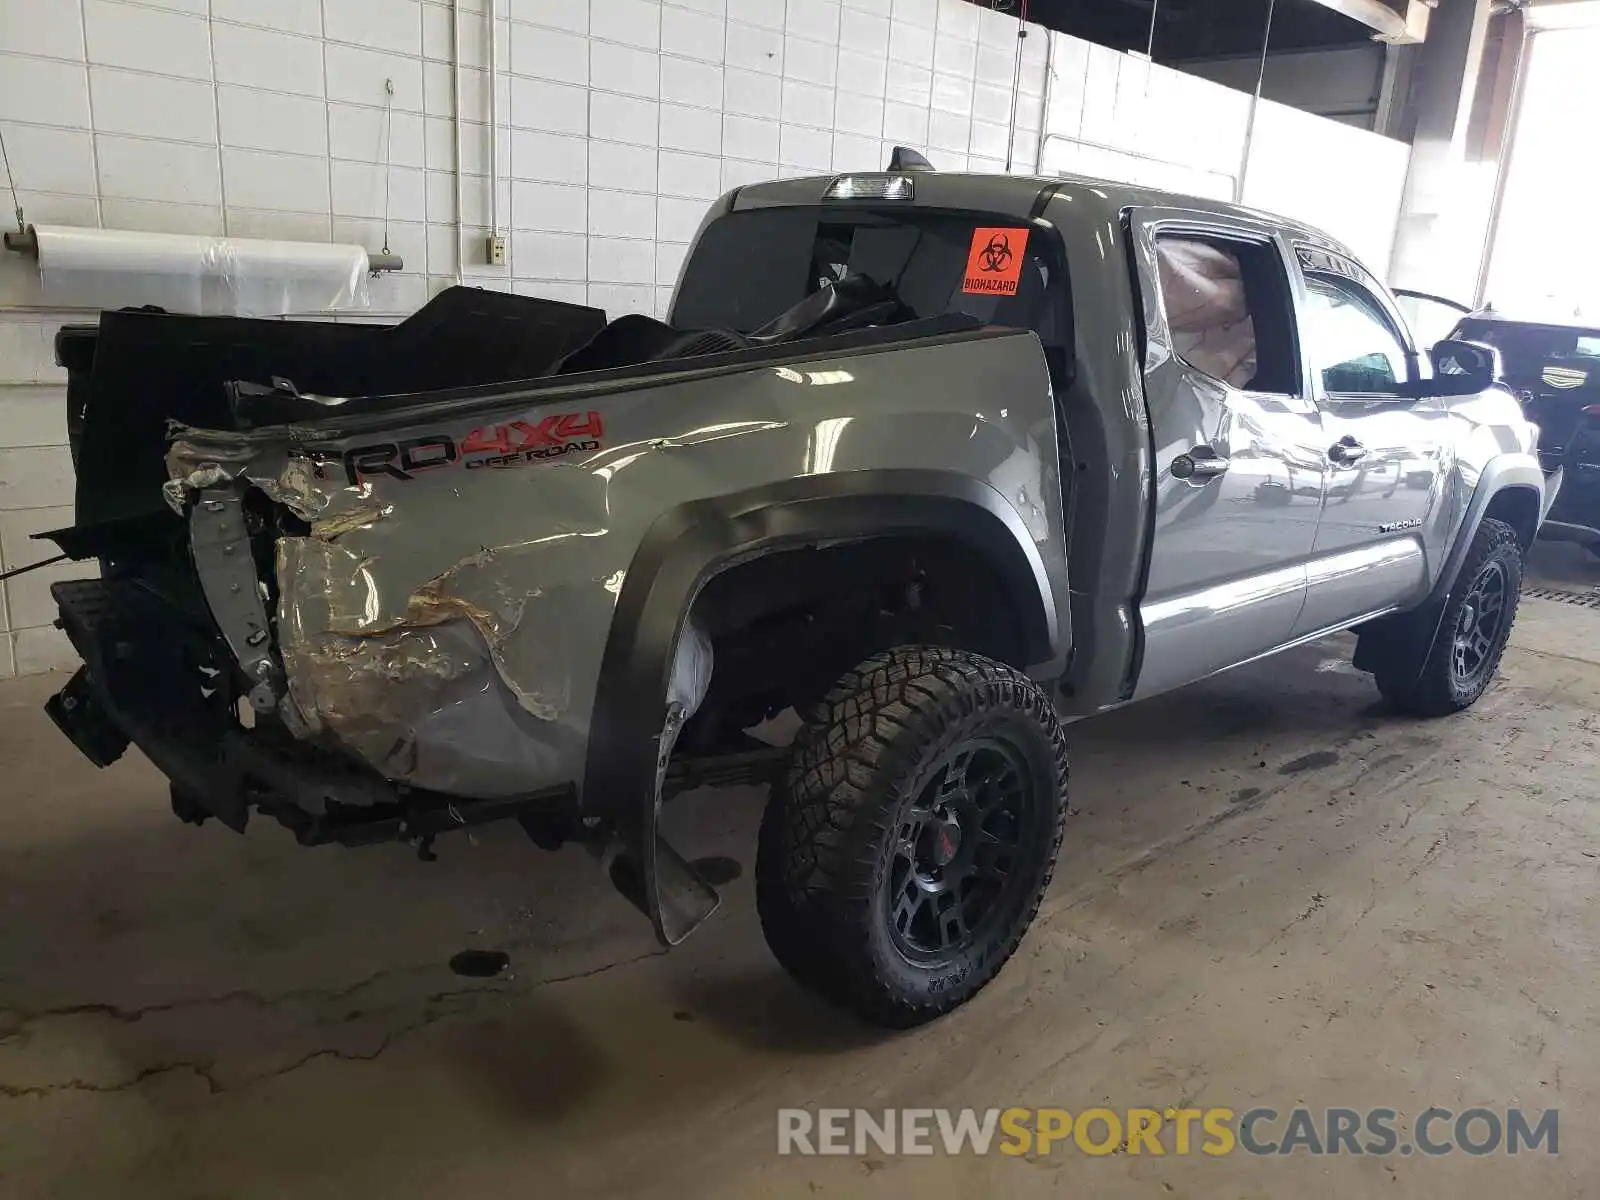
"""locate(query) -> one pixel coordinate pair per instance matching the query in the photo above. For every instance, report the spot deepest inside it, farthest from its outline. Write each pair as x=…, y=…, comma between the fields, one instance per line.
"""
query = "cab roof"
x=1021, y=196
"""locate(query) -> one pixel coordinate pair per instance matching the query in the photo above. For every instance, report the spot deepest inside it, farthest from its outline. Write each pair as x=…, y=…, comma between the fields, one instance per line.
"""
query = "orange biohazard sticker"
x=994, y=264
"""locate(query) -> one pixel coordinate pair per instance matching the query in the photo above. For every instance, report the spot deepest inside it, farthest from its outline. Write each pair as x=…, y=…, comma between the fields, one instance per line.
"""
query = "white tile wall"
x=621, y=120
x=684, y=81
x=262, y=58
x=29, y=85
x=144, y=105
x=32, y=28
x=291, y=16
x=121, y=35
x=140, y=169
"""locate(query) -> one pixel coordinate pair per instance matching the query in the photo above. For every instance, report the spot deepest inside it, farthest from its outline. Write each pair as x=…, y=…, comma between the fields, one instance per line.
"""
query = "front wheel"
x=1472, y=633
x=905, y=852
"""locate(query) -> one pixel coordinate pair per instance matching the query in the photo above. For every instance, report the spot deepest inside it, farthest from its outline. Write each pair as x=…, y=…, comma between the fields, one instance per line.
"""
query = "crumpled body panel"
x=446, y=615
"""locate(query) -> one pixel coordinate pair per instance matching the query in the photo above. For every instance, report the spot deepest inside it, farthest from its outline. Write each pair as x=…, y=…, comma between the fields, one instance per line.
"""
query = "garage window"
x=1228, y=310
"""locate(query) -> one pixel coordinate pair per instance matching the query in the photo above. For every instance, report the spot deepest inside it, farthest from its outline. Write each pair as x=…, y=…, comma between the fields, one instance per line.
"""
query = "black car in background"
x=1554, y=368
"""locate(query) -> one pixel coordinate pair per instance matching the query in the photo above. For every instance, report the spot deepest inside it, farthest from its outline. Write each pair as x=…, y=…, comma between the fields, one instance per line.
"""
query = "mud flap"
x=648, y=870
x=1406, y=637
x=662, y=885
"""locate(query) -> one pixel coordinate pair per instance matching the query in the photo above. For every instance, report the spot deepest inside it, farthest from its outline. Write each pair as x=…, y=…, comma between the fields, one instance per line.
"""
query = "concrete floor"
x=1272, y=893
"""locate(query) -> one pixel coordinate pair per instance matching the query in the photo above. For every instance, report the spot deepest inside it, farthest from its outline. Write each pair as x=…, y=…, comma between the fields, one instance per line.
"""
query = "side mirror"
x=1461, y=368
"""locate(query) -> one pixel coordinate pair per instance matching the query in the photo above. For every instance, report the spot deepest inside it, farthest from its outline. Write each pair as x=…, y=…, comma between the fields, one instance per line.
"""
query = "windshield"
x=749, y=267
x=1527, y=350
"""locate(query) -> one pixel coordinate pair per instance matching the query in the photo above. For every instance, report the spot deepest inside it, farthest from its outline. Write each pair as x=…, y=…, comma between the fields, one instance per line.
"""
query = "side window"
x=1355, y=347
x=1228, y=309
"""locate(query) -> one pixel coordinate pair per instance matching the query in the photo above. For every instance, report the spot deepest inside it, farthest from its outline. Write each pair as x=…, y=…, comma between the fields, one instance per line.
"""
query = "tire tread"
x=822, y=832
x=1430, y=691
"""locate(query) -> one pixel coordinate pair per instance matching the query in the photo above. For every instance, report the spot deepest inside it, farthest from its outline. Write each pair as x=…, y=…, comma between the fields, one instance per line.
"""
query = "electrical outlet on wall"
x=494, y=250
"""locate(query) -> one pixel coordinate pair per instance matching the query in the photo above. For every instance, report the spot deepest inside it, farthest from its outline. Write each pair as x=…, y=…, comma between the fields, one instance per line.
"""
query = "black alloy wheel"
x=1441, y=658
x=957, y=846
x=903, y=854
x=1477, y=636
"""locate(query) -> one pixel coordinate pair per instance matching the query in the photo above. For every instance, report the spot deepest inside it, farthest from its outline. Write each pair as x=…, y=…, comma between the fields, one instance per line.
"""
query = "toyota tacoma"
x=929, y=464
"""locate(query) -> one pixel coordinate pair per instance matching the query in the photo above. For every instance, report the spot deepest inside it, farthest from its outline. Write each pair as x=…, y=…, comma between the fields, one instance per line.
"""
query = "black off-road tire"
x=900, y=729
x=1441, y=686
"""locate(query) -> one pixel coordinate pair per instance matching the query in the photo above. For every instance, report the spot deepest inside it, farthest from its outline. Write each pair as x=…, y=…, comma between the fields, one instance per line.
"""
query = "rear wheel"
x=1472, y=634
x=905, y=852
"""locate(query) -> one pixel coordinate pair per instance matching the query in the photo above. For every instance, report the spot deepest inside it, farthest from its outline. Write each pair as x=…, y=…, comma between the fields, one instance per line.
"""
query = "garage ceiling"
x=1196, y=29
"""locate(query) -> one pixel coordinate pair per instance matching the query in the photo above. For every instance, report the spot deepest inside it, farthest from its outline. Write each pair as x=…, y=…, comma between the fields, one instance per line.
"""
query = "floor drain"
x=1590, y=599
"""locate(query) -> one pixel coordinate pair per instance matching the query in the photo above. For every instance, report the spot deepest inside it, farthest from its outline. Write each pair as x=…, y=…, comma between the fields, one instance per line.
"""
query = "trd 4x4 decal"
x=497, y=446
x=521, y=442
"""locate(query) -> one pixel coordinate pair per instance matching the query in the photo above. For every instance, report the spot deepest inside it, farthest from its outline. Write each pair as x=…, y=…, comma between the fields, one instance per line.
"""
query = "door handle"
x=1201, y=463
x=1346, y=452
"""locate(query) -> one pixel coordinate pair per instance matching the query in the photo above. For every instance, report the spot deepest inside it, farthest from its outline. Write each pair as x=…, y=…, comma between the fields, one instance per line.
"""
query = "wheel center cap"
x=941, y=842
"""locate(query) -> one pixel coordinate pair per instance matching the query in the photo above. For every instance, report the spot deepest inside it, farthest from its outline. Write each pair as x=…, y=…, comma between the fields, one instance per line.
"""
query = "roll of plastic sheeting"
x=209, y=276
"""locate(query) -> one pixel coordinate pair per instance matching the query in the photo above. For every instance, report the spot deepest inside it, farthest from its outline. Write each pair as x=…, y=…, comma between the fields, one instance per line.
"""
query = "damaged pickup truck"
x=937, y=462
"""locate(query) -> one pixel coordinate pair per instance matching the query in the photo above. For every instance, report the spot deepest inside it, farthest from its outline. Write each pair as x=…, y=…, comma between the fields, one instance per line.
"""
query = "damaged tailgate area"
x=247, y=697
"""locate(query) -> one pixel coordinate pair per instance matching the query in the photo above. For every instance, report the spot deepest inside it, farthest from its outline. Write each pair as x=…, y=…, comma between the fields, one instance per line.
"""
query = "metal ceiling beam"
x=1405, y=21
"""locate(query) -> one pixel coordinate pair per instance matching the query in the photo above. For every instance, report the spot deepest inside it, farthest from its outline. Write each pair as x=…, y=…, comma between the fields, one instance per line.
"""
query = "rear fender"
x=635, y=724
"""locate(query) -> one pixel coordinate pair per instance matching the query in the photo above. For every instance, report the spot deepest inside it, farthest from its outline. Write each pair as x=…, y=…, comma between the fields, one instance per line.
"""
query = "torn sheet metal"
x=303, y=484
x=361, y=516
x=420, y=698
x=691, y=670
x=178, y=490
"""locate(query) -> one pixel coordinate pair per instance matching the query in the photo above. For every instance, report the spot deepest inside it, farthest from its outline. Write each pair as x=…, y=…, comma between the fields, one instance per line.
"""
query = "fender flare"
x=1397, y=634
x=1503, y=473
x=632, y=729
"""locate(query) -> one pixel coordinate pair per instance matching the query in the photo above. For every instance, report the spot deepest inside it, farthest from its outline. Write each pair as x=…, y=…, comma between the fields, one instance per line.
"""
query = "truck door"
x=1238, y=446
x=1383, y=449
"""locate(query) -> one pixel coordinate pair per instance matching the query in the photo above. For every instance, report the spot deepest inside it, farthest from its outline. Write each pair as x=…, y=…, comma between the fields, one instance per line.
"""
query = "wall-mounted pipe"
x=380, y=262
x=1255, y=106
x=1047, y=93
x=494, y=121
x=89, y=268
x=455, y=83
x=1502, y=177
x=26, y=242
x=1016, y=86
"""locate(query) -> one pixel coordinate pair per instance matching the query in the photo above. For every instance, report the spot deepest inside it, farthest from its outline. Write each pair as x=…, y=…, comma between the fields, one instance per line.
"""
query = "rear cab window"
x=749, y=267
